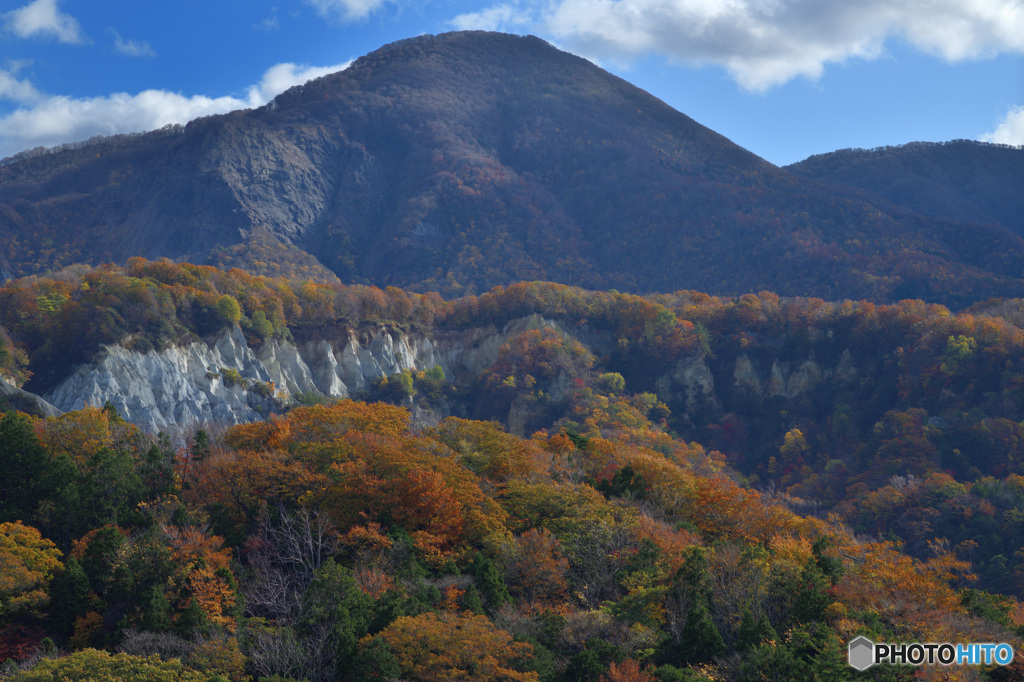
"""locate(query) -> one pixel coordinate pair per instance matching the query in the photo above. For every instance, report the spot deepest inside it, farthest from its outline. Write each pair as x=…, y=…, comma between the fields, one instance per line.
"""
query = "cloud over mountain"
x=763, y=44
x=1010, y=129
x=346, y=10
x=46, y=120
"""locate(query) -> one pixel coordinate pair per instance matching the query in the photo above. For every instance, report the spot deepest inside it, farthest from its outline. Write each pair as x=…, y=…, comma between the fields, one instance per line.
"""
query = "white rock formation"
x=180, y=386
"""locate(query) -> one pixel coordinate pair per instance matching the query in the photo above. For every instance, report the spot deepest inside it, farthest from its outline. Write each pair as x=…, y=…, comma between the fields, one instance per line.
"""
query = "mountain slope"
x=960, y=180
x=468, y=160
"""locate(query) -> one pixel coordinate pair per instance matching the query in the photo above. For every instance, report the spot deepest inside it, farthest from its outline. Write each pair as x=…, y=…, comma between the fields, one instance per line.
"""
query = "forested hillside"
x=705, y=487
x=961, y=180
x=334, y=542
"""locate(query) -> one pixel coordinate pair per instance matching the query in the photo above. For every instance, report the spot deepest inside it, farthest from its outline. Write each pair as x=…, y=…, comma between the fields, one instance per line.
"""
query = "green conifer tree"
x=489, y=580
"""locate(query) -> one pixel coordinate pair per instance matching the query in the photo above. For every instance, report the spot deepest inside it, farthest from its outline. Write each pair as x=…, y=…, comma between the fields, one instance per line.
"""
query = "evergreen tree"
x=22, y=464
x=811, y=595
x=700, y=640
x=69, y=597
x=488, y=578
x=114, y=487
x=375, y=661
x=593, y=661
x=156, y=611
x=471, y=600
x=192, y=619
x=200, y=449
x=100, y=557
x=335, y=600
x=752, y=632
x=157, y=468
x=830, y=566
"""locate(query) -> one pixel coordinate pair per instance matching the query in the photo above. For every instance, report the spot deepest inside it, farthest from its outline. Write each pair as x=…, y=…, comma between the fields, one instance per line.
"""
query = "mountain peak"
x=466, y=160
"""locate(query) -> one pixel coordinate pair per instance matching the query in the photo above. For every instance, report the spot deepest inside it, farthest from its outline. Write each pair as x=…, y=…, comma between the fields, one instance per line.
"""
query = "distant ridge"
x=963, y=180
x=467, y=160
x=908, y=146
x=36, y=152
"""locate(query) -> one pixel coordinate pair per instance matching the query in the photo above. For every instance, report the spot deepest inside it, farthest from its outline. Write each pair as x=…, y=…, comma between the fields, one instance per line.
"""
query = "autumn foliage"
x=641, y=531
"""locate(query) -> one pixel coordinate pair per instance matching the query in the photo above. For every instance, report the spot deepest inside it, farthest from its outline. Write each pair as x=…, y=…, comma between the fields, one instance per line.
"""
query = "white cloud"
x=131, y=48
x=59, y=119
x=42, y=18
x=50, y=120
x=502, y=17
x=1010, y=129
x=270, y=24
x=280, y=77
x=346, y=10
x=763, y=43
x=21, y=91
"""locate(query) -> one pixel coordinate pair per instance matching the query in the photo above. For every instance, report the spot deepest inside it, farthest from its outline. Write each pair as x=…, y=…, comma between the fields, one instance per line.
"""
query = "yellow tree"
x=27, y=562
x=80, y=434
x=451, y=646
x=91, y=664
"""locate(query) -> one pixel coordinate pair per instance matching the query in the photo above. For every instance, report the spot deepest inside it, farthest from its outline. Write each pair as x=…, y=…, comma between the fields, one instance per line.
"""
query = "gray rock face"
x=183, y=386
x=24, y=401
x=788, y=381
x=746, y=376
x=158, y=390
x=178, y=387
x=694, y=377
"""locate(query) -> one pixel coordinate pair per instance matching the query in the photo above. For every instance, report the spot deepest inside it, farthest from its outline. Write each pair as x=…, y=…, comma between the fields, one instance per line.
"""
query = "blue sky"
x=783, y=78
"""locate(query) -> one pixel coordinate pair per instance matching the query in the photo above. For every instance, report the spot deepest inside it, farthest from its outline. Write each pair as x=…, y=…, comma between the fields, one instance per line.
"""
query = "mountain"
x=962, y=180
x=468, y=160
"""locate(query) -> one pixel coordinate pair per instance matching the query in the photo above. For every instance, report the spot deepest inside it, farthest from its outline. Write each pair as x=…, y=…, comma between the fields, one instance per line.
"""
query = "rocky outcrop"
x=226, y=380
x=474, y=350
x=182, y=385
x=12, y=397
x=230, y=382
x=693, y=376
x=746, y=376
x=789, y=379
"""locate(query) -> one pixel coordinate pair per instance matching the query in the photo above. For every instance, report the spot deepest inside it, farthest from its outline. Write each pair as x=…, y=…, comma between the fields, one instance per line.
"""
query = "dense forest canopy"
x=334, y=541
x=857, y=469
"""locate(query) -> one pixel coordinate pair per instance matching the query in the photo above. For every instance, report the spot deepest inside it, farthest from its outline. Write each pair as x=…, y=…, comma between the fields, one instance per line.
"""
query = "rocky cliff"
x=228, y=381
x=231, y=382
x=12, y=397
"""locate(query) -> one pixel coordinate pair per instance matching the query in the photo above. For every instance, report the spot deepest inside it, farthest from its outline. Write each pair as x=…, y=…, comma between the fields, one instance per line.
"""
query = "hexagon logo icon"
x=861, y=653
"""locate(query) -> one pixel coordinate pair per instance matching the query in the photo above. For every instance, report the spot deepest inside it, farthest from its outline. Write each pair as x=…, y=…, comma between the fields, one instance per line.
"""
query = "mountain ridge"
x=470, y=160
x=965, y=180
